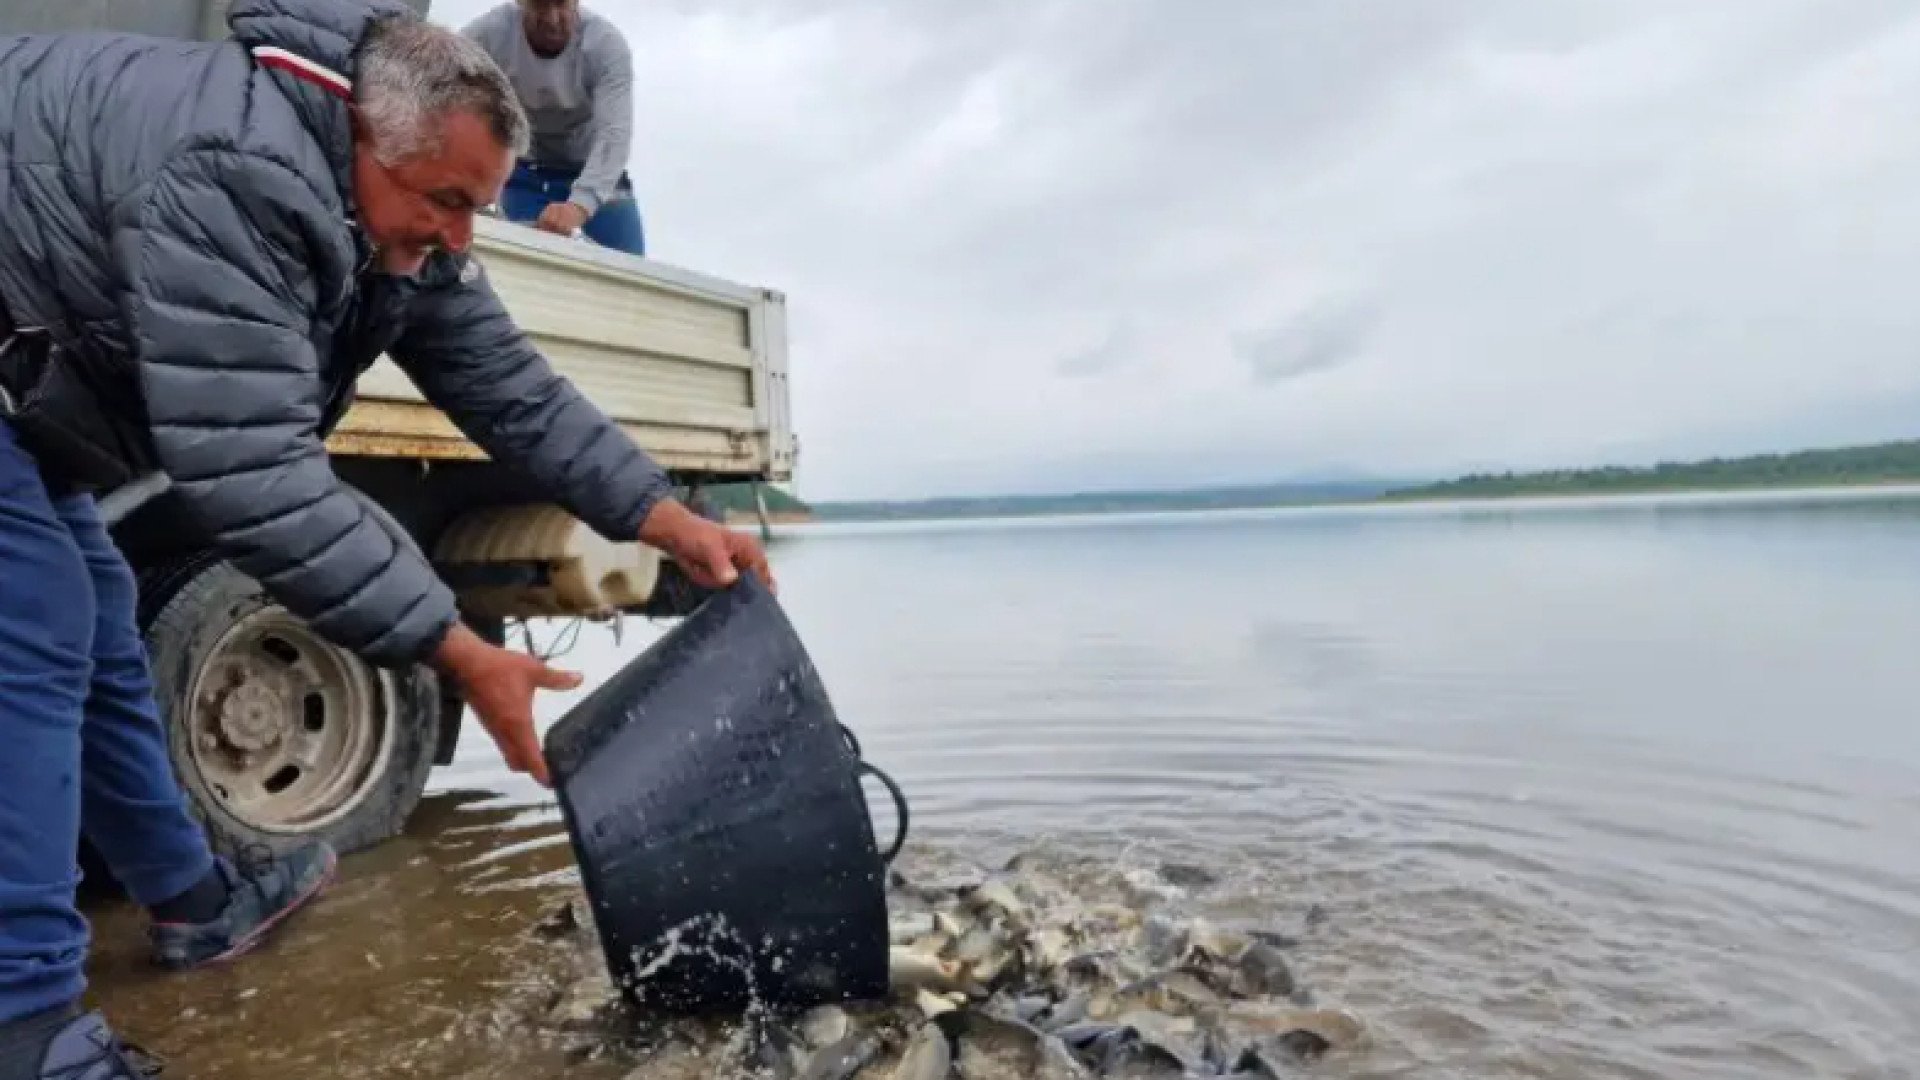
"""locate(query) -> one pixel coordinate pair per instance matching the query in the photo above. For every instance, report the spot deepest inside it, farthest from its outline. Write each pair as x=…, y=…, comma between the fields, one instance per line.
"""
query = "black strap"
x=899, y=808
x=893, y=789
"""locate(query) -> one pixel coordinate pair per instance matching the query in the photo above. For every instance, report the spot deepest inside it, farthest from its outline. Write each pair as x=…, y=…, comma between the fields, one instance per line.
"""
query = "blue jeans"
x=80, y=739
x=533, y=188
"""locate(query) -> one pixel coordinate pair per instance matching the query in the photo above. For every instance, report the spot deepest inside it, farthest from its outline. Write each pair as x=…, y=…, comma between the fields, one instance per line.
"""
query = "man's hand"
x=712, y=555
x=563, y=218
x=498, y=685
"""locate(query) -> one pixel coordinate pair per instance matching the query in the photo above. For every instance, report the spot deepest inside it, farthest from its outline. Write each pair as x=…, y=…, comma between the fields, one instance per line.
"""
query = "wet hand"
x=712, y=556
x=563, y=218
x=499, y=684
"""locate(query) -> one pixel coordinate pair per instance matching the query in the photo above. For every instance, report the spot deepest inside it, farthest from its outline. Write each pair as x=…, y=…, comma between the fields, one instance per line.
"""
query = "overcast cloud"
x=1059, y=244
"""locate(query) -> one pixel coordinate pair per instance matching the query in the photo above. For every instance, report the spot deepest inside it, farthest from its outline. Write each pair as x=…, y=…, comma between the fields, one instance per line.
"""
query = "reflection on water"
x=1585, y=790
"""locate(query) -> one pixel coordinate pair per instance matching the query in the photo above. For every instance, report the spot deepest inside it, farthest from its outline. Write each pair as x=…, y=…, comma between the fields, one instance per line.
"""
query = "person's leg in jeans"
x=617, y=225
x=47, y=621
x=132, y=808
x=46, y=640
x=524, y=196
x=79, y=727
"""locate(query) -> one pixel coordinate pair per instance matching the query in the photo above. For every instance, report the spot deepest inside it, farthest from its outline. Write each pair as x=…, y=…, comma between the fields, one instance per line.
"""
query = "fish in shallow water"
x=1017, y=976
x=929, y=1056
x=845, y=1058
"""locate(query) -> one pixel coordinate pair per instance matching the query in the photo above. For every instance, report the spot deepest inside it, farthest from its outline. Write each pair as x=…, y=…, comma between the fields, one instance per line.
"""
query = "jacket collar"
x=309, y=49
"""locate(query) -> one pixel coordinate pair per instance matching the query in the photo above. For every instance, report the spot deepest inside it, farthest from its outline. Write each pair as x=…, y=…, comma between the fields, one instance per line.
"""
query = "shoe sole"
x=246, y=944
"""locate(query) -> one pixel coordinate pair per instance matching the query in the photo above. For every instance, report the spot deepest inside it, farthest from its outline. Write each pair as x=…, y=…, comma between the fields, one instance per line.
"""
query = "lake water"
x=1624, y=788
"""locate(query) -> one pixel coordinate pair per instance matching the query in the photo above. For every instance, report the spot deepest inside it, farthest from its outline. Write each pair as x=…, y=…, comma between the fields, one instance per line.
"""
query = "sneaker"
x=86, y=1049
x=263, y=892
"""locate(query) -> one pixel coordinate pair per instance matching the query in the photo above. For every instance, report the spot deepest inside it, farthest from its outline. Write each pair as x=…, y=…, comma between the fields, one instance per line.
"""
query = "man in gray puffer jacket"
x=201, y=246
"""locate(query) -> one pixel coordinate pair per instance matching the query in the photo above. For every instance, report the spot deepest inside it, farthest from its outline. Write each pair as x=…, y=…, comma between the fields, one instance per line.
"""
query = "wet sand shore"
x=417, y=963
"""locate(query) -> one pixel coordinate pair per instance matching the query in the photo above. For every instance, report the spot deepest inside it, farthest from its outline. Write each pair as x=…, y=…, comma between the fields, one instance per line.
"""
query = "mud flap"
x=715, y=807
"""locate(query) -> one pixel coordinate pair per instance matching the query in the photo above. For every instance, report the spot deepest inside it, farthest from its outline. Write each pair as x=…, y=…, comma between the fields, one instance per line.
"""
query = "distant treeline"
x=1232, y=498
x=1893, y=462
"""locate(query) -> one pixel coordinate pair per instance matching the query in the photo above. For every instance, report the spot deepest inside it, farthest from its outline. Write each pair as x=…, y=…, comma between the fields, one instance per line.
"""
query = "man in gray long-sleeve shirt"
x=573, y=73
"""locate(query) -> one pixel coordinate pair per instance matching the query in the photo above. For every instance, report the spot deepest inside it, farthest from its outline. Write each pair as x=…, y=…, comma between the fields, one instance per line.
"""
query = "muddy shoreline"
x=448, y=953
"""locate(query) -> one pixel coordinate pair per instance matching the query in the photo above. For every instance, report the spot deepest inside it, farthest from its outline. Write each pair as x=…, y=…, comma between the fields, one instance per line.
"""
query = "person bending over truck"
x=203, y=245
x=573, y=73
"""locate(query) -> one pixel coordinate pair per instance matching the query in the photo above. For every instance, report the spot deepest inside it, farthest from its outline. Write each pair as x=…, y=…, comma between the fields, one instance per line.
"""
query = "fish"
x=932, y=1005
x=1271, y=1055
x=845, y=1058
x=1205, y=941
x=776, y=1052
x=1029, y=1008
x=822, y=1026
x=567, y=920
x=1264, y=972
x=581, y=1004
x=1188, y=876
x=1058, y=1063
x=909, y=970
x=991, y=1047
x=910, y=928
x=1069, y=1010
x=1312, y=1030
x=1002, y=976
x=1276, y=939
x=976, y=945
x=994, y=894
x=929, y=1056
x=1047, y=949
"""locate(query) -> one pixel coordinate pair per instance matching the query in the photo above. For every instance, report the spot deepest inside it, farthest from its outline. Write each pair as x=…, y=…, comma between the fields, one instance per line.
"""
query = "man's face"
x=549, y=24
x=415, y=206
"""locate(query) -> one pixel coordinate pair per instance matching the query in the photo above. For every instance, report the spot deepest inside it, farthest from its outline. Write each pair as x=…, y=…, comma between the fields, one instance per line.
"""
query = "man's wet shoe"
x=80, y=1048
x=262, y=893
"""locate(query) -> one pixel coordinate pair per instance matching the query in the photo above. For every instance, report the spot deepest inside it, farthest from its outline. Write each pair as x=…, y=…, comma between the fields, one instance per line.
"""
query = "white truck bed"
x=694, y=368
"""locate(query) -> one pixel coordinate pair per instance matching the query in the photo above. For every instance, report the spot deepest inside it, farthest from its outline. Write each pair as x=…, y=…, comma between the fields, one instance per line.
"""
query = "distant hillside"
x=1112, y=502
x=1884, y=463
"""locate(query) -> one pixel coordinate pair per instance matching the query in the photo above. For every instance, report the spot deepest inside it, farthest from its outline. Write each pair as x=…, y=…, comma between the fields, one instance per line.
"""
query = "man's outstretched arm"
x=464, y=352
x=612, y=122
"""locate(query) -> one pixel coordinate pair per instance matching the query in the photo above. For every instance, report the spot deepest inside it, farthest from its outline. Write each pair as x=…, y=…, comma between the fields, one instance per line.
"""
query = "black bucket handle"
x=899, y=807
x=893, y=789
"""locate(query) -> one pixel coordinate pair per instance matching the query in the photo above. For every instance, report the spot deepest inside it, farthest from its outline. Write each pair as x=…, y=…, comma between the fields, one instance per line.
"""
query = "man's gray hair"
x=411, y=73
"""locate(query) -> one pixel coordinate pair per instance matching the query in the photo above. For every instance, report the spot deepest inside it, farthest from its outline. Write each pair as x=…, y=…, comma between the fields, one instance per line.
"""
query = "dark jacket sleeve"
x=220, y=288
x=464, y=352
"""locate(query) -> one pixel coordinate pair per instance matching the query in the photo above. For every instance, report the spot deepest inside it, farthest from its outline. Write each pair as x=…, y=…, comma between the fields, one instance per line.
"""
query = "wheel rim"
x=286, y=729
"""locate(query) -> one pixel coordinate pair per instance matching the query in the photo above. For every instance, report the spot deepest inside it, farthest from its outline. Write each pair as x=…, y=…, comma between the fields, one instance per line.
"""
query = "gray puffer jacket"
x=179, y=216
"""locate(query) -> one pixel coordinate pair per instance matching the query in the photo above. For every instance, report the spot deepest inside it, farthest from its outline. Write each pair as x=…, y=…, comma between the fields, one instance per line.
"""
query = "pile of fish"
x=1011, y=974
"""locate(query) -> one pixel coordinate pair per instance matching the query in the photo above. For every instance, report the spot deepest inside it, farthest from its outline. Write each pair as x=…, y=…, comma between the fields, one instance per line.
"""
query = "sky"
x=1055, y=245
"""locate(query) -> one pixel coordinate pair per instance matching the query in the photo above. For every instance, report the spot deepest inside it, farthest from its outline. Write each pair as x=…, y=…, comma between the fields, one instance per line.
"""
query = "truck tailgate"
x=694, y=368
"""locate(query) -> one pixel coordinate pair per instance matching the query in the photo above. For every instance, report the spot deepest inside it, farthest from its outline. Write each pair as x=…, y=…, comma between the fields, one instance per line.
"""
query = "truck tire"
x=277, y=735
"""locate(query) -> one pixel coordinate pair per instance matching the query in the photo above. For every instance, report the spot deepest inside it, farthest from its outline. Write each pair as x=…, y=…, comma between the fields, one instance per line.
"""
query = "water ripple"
x=1593, y=794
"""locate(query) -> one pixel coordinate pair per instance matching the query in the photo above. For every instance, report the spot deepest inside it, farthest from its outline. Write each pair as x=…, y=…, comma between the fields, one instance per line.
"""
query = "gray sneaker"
x=86, y=1049
x=264, y=891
